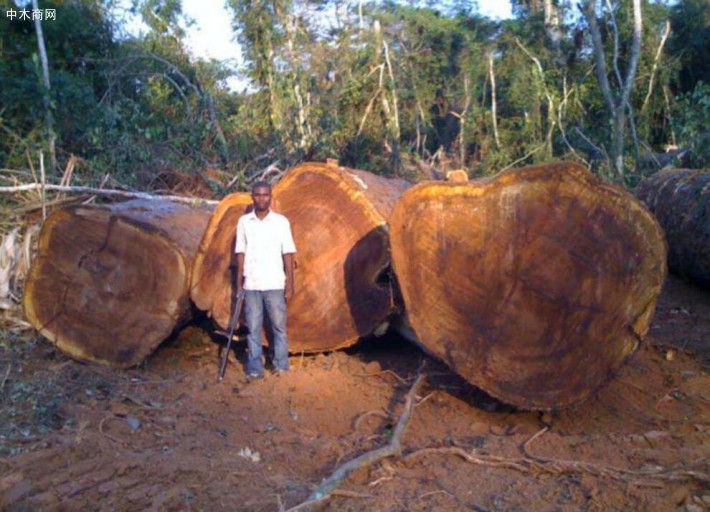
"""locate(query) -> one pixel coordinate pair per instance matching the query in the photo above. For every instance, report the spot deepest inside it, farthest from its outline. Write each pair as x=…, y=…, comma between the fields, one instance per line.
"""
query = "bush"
x=692, y=124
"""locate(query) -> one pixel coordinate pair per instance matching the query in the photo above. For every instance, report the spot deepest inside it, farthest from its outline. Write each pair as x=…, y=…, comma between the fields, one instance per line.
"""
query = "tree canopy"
x=385, y=86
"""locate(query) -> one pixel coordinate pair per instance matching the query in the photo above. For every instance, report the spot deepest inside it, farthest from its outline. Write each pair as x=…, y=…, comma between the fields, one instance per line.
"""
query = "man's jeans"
x=275, y=304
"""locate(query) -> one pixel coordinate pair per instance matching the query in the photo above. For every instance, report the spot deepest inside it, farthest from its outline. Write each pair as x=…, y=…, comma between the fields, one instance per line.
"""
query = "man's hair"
x=261, y=184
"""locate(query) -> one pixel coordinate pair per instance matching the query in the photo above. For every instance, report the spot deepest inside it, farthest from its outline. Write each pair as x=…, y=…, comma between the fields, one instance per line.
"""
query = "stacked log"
x=535, y=285
x=339, y=221
x=458, y=176
x=680, y=200
x=112, y=282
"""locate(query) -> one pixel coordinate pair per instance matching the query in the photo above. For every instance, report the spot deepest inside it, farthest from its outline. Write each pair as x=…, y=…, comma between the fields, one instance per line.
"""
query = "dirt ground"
x=167, y=436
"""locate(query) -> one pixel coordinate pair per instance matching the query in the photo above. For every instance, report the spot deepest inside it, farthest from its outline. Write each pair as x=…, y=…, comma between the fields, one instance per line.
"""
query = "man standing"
x=265, y=251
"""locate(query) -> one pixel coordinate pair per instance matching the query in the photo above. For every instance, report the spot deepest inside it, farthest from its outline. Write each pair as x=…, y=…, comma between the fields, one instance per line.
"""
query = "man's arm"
x=240, y=247
x=290, y=290
x=288, y=248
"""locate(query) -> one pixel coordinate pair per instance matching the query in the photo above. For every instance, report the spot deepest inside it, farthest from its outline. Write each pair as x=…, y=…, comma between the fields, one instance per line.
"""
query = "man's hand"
x=289, y=293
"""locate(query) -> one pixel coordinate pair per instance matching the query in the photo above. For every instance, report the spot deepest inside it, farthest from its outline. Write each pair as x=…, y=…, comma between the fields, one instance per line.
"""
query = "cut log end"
x=338, y=218
x=535, y=286
x=213, y=269
x=108, y=287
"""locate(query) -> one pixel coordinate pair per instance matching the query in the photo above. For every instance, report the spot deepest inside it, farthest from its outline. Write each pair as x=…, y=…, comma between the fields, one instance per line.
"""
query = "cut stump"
x=112, y=282
x=535, y=285
x=680, y=200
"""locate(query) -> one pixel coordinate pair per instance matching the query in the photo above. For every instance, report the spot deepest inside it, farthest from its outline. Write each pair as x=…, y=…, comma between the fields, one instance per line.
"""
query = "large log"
x=535, y=285
x=111, y=282
x=213, y=272
x=680, y=200
x=339, y=222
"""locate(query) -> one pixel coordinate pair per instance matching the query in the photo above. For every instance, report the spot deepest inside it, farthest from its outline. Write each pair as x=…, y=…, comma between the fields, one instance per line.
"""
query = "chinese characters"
x=31, y=14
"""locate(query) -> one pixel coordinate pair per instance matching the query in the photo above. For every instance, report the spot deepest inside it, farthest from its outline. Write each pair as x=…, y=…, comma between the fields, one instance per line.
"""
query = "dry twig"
x=109, y=436
x=375, y=374
x=364, y=415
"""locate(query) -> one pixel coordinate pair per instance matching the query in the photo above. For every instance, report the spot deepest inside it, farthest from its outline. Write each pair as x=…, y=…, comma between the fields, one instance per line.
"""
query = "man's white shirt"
x=264, y=242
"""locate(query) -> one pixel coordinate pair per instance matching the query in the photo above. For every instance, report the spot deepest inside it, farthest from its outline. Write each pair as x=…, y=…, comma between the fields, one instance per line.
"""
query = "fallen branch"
x=329, y=485
x=534, y=464
x=104, y=192
x=376, y=374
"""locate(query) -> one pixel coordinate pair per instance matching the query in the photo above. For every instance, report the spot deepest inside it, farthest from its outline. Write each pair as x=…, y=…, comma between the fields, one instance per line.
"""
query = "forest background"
x=394, y=87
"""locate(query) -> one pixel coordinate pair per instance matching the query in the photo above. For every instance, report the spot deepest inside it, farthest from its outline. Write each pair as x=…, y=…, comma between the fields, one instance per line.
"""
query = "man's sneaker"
x=278, y=371
x=253, y=376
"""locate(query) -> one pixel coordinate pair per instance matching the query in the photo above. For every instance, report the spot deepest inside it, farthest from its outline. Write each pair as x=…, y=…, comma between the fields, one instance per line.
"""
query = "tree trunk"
x=111, y=282
x=535, y=286
x=214, y=269
x=338, y=217
x=552, y=24
x=619, y=102
x=46, y=93
x=680, y=200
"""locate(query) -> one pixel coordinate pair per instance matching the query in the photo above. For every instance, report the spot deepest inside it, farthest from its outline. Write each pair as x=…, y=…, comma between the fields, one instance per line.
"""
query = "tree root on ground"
x=529, y=463
x=328, y=487
x=534, y=464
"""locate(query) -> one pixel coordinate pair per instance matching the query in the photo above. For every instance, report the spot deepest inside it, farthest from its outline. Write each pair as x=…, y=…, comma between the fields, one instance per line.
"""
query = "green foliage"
x=690, y=42
x=409, y=81
x=130, y=108
x=692, y=121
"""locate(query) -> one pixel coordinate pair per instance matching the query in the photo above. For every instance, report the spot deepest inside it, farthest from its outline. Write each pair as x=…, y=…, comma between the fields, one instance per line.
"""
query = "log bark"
x=112, y=282
x=535, y=285
x=680, y=200
x=214, y=271
x=339, y=221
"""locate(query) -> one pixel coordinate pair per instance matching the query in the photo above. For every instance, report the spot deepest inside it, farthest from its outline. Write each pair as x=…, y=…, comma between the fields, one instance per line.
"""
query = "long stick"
x=104, y=192
x=232, y=325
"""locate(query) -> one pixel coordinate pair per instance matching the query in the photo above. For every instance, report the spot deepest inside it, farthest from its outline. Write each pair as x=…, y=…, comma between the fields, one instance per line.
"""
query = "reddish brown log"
x=457, y=176
x=212, y=271
x=680, y=200
x=111, y=282
x=339, y=222
x=536, y=285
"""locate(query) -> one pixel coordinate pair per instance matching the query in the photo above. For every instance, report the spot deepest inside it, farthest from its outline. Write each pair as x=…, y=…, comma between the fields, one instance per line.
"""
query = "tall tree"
x=258, y=25
x=551, y=12
x=615, y=96
x=46, y=92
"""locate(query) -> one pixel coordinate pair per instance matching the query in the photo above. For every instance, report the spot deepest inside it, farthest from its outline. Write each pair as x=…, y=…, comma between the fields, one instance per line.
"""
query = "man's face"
x=262, y=198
